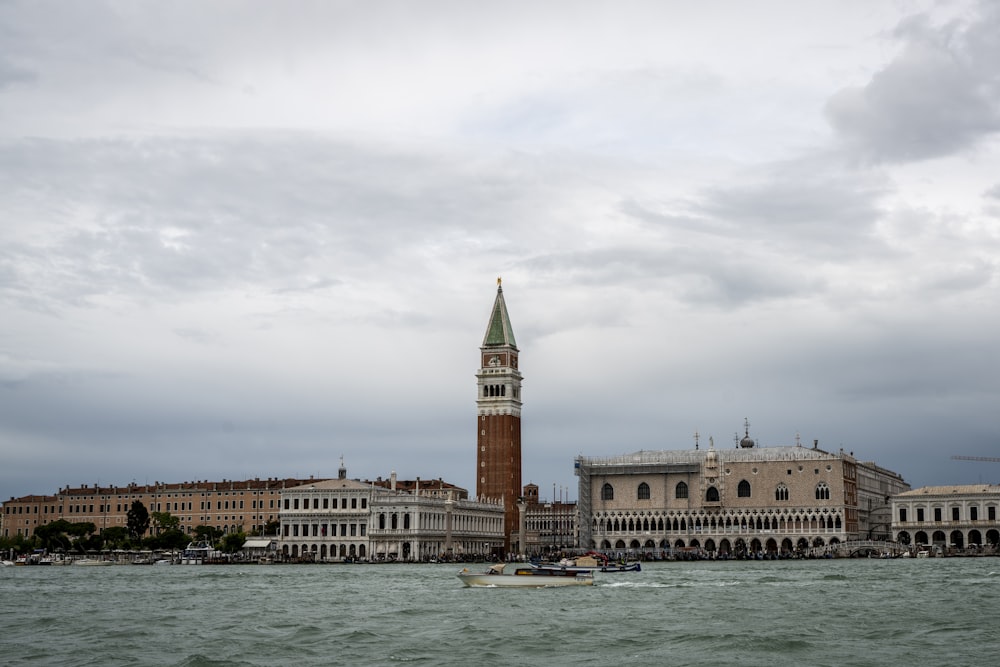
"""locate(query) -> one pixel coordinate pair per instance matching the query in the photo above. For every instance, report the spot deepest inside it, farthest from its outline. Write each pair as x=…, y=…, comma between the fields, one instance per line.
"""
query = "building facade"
x=550, y=527
x=743, y=502
x=876, y=487
x=964, y=517
x=245, y=506
x=498, y=423
x=342, y=519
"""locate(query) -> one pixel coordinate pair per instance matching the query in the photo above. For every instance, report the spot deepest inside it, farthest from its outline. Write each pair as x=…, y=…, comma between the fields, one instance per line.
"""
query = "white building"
x=341, y=519
x=950, y=517
x=422, y=525
x=326, y=520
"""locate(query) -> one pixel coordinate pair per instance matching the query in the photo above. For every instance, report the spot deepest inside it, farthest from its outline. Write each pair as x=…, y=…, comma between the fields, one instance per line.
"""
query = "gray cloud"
x=938, y=96
x=252, y=242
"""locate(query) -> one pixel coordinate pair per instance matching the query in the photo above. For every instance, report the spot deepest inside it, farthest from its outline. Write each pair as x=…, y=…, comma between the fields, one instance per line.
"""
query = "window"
x=607, y=492
x=712, y=495
x=937, y=514
x=954, y=514
x=681, y=490
x=902, y=514
x=643, y=491
x=743, y=490
x=974, y=513
x=920, y=514
x=991, y=513
x=781, y=493
x=822, y=491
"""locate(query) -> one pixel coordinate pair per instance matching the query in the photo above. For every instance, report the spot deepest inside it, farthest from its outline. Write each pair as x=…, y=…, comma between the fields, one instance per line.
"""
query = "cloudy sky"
x=244, y=239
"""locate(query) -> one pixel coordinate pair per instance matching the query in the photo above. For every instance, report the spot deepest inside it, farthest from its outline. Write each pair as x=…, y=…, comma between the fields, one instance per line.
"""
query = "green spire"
x=499, y=333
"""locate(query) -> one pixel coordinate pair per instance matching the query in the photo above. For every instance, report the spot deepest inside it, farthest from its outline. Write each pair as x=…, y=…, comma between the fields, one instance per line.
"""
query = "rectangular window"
x=937, y=514
x=954, y=514
x=974, y=513
x=326, y=503
x=354, y=503
x=902, y=515
x=920, y=514
x=991, y=513
x=343, y=529
x=354, y=529
x=343, y=503
x=315, y=503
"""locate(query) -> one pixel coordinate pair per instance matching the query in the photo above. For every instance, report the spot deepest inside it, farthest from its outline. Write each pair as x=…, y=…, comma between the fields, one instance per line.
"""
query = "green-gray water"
x=824, y=612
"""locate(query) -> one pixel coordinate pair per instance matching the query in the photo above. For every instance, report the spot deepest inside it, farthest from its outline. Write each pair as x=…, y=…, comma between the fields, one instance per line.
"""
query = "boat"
x=93, y=561
x=526, y=575
x=595, y=562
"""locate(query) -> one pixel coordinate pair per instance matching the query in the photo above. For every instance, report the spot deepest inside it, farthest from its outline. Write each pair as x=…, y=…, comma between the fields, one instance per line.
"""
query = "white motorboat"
x=526, y=576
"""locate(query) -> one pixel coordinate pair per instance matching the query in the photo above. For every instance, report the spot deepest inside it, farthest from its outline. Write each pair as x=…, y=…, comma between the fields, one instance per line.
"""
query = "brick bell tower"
x=498, y=403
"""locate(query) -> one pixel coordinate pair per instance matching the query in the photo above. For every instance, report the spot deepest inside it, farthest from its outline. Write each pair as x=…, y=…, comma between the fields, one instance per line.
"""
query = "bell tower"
x=498, y=427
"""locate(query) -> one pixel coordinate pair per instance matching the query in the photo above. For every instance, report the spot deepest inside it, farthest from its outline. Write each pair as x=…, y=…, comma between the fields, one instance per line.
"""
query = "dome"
x=746, y=442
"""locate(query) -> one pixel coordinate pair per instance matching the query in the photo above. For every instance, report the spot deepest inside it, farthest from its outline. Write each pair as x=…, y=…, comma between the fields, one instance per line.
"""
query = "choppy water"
x=826, y=612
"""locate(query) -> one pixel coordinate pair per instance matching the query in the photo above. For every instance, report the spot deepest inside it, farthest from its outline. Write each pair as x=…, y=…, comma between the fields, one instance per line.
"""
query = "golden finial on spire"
x=499, y=281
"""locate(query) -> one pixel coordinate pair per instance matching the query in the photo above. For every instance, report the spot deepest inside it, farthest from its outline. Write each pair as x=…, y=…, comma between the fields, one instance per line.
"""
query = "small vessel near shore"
x=595, y=562
x=526, y=575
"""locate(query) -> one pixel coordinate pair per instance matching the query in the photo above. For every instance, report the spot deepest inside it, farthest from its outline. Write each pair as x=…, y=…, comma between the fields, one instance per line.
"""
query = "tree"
x=137, y=519
x=163, y=521
x=272, y=527
x=115, y=536
x=208, y=534
x=233, y=542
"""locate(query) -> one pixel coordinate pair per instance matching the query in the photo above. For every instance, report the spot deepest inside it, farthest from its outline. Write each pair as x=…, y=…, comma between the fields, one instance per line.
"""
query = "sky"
x=246, y=239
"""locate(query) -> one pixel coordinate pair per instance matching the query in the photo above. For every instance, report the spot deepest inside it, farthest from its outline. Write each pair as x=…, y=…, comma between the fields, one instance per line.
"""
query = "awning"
x=257, y=544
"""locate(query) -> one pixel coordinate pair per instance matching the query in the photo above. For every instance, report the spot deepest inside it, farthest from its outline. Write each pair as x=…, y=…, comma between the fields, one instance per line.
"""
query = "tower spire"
x=498, y=428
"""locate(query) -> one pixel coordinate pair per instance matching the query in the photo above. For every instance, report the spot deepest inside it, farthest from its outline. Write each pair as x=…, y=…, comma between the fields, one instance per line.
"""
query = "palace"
x=742, y=502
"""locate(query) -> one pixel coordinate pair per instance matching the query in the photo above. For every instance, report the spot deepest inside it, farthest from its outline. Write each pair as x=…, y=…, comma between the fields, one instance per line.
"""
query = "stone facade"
x=344, y=519
x=948, y=517
x=746, y=501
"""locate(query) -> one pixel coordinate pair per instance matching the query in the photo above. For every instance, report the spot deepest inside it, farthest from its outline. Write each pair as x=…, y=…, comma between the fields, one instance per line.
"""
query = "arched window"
x=781, y=493
x=607, y=492
x=743, y=490
x=643, y=491
x=822, y=491
x=712, y=495
x=681, y=491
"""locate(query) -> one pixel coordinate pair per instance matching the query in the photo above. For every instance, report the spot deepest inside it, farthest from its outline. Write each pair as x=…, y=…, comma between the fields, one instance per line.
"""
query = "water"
x=823, y=612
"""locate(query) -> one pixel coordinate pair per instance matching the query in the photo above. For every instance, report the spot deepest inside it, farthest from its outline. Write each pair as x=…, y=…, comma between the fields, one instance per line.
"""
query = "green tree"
x=272, y=527
x=233, y=542
x=208, y=534
x=115, y=536
x=137, y=520
x=163, y=521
